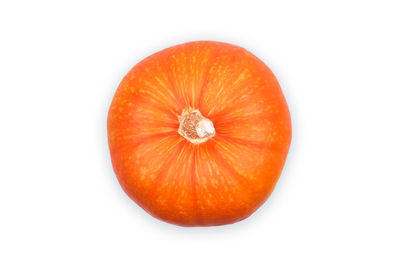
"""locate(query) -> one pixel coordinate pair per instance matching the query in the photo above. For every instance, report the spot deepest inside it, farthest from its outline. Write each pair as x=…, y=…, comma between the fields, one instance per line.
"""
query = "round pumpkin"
x=199, y=133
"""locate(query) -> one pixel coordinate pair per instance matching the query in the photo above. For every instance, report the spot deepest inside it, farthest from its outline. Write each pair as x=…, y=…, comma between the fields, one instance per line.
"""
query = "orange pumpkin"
x=199, y=133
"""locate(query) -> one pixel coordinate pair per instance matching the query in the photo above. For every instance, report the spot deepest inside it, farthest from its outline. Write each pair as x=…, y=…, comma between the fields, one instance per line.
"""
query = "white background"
x=337, y=202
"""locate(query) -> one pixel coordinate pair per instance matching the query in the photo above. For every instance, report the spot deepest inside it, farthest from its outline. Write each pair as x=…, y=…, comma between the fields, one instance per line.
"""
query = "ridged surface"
x=217, y=182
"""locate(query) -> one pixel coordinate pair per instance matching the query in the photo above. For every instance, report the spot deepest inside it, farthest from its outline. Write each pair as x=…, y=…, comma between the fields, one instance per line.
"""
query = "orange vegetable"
x=199, y=133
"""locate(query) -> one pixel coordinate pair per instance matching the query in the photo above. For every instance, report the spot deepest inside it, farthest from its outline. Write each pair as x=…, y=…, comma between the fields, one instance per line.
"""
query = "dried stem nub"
x=195, y=127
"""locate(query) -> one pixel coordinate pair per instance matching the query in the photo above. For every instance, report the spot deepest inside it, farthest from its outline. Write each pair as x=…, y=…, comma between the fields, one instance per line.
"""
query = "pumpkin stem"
x=195, y=127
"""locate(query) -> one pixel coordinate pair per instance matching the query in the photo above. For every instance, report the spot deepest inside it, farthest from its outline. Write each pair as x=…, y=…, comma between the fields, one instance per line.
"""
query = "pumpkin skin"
x=223, y=179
